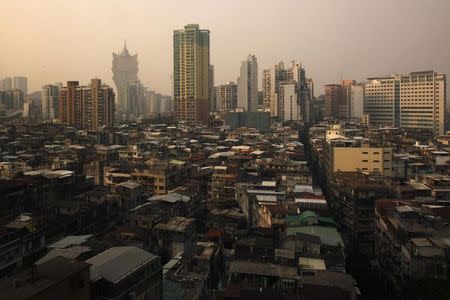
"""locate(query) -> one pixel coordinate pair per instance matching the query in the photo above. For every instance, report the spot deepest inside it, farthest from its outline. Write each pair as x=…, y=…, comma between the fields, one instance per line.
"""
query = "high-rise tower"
x=415, y=101
x=227, y=96
x=247, y=85
x=68, y=105
x=212, y=96
x=274, y=101
x=125, y=72
x=87, y=107
x=6, y=84
x=21, y=83
x=334, y=101
x=191, y=68
x=50, y=101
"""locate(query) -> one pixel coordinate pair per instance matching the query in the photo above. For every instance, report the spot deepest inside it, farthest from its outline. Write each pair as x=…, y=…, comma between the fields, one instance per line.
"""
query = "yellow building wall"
x=347, y=159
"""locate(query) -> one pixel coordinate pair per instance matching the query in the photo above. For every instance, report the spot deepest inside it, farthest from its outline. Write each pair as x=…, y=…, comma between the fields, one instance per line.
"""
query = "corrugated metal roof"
x=71, y=253
x=174, y=197
x=328, y=235
x=70, y=240
x=129, y=184
x=117, y=262
x=267, y=269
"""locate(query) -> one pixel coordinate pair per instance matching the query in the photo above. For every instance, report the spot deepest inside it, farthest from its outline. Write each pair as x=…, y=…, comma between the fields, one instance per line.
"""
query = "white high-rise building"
x=288, y=105
x=226, y=96
x=357, y=101
x=21, y=83
x=266, y=86
x=274, y=77
x=134, y=99
x=157, y=103
x=166, y=104
x=352, y=103
x=49, y=101
x=247, y=85
x=6, y=84
x=414, y=101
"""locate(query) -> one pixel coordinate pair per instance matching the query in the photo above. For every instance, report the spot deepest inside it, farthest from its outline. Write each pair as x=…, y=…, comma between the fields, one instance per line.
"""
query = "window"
x=288, y=283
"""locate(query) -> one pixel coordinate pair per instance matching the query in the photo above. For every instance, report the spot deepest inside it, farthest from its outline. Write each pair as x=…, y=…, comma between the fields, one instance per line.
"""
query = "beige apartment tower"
x=191, y=64
x=334, y=101
x=87, y=107
x=416, y=101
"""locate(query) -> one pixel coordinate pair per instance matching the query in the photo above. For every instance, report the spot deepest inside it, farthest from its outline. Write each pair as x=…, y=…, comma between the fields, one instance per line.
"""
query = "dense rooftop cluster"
x=168, y=210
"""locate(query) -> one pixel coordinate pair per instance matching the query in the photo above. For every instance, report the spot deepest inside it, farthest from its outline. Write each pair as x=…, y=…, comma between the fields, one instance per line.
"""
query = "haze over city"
x=224, y=150
x=50, y=41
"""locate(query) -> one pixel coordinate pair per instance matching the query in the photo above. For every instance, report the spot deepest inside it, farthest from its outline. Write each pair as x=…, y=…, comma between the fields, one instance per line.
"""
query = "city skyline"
x=328, y=47
x=225, y=150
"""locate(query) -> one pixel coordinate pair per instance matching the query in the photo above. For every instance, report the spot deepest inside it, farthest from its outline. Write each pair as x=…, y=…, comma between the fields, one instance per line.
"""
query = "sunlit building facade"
x=191, y=64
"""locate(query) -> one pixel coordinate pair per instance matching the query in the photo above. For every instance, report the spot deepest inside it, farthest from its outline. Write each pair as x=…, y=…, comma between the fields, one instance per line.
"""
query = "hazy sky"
x=50, y=41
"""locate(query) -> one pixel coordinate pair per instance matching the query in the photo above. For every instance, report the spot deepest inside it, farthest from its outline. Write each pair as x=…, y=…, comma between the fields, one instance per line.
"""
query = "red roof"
x=214, y=233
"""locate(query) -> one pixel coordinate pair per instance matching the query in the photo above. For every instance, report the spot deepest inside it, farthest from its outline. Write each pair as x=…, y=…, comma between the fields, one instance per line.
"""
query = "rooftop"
x=358, y=180
x=313, y=239
x=70, y=241
x=71, y=253
x=116, y=263
x=47, y=274
x=266, y=269
x=178, y=224
x=129, y=184
x=172, y=198
x=328, y=235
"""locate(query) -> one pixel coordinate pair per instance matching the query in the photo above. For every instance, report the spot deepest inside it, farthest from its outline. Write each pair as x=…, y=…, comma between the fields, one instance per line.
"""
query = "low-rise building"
x=126, y=273
x=175, y=236
x=412, y=243
x=21, y=239
x=130, y=194
x=57, y=278
x=156, y=177
x=343, y=154
x=354, y=195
